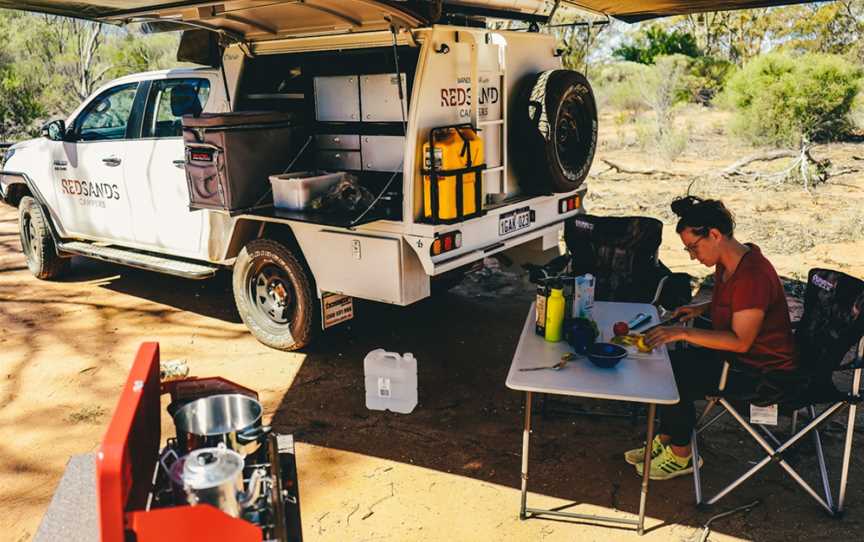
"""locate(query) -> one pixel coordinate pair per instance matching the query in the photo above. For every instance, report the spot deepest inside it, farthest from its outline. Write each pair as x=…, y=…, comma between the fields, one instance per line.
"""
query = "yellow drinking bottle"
x=555, y=315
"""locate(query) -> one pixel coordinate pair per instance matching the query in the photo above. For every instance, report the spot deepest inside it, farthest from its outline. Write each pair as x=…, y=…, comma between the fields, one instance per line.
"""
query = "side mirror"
x=54, y=130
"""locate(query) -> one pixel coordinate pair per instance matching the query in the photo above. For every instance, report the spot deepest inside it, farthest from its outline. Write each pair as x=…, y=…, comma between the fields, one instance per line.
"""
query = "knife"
x=663, y=323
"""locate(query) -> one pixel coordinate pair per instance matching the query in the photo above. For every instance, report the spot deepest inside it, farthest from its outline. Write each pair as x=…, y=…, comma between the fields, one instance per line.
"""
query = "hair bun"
x=684, y=205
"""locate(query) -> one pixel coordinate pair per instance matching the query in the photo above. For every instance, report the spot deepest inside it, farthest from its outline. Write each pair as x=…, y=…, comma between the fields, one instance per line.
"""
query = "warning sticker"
x=763, y=415
x=383, y=387
x=335, y=309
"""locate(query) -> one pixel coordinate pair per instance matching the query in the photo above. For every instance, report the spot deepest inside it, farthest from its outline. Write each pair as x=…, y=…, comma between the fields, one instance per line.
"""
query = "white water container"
x=391, y=381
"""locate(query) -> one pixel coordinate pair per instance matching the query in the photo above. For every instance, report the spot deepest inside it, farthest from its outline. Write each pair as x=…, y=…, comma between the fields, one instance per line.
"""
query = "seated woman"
x=751, y=327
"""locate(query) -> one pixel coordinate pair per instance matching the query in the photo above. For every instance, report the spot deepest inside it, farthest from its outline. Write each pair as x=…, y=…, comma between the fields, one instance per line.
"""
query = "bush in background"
x=656, y=42
x=662, y=86
x=631, y=88
x=20, y=109
x=617, y=86
x=707, y=77
x=782, y=100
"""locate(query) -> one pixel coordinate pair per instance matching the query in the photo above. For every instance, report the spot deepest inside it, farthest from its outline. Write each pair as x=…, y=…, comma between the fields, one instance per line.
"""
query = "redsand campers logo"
x=460, y=96
x=90, y=194
x=822, y=283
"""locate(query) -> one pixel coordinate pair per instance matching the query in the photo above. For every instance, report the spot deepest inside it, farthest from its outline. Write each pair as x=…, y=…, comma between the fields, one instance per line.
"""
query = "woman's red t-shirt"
x=755, y=285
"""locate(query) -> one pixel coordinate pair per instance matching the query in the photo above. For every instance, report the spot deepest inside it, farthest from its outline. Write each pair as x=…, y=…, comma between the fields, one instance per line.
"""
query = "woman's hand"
x=665, y=334
x=689, y=312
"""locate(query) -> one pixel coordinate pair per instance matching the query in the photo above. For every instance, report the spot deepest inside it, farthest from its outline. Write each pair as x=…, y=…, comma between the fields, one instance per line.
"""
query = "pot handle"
x=168, y=453
x=254, y=434
x=253, y=490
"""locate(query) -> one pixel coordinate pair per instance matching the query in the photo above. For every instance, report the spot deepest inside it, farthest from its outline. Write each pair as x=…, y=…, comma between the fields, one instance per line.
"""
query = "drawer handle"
x=337, y=140
x=337, y=155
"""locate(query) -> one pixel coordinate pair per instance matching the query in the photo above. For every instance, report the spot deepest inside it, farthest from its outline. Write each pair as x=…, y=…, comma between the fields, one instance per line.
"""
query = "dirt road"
x=449, y=471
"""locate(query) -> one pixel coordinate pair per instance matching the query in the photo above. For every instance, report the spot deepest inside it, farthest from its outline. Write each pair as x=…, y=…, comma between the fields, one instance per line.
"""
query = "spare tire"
x=553, y=134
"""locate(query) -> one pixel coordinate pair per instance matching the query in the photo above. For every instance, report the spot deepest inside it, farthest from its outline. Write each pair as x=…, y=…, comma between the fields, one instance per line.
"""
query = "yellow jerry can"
x=454, y=149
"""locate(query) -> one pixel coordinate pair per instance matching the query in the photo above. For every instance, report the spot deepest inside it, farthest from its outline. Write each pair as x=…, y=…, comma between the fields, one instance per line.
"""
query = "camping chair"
x=832, y=323
x=622, y=254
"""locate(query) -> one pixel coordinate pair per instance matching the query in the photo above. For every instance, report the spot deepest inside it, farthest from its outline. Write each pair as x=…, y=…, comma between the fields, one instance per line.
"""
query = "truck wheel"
x=37, y=243
x=274, y=295
x=554, y=131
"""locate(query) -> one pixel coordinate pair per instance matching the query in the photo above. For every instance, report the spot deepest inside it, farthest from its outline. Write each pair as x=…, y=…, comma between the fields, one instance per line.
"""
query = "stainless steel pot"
x=231, y=419
x=214, y=476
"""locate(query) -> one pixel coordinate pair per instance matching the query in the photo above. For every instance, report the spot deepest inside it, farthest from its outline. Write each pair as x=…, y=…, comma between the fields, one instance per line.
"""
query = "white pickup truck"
x=367, y=80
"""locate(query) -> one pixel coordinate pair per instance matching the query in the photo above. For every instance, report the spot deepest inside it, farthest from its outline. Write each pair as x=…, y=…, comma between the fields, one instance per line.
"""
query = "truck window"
x=169, y=100
x=107, y=116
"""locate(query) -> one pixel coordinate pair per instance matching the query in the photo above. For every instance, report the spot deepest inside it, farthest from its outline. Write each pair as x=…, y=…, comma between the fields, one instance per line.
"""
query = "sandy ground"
x=450, y=470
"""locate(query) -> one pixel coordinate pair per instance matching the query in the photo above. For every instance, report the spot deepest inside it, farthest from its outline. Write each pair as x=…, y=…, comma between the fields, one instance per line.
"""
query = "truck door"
x=155, y=170
x=88, y=168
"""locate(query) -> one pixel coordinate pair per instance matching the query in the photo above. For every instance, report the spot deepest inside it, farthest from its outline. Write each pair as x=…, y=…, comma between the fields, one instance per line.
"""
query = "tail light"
x=446, y=242
x=570, y=203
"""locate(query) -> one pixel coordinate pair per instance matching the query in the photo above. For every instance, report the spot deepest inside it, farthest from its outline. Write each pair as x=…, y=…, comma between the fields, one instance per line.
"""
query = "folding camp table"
x=641, y=378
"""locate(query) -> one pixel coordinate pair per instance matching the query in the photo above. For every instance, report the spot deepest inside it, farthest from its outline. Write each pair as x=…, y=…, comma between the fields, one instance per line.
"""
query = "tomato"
x=620, y=328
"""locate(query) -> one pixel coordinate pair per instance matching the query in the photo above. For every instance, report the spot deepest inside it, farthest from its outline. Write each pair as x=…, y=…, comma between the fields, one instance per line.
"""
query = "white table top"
x=638, y=378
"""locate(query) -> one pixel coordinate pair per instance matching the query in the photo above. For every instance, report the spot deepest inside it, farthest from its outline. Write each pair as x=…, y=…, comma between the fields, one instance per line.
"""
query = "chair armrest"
x=675, y=288
x=857, y=363
x=724, y=376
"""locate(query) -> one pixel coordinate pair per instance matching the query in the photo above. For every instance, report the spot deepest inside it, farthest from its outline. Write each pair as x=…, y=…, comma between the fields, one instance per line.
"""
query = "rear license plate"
x=336, y=308
x=514, y=221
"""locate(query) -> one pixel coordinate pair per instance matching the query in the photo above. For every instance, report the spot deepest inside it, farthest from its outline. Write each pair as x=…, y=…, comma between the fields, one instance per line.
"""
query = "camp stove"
x=138, y=499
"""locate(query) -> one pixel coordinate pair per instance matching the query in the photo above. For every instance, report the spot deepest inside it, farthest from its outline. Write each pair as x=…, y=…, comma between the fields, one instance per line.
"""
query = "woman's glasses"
x=691, y=248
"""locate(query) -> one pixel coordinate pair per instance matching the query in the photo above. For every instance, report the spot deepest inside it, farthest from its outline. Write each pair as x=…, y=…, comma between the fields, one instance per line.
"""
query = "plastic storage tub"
x=294, y=191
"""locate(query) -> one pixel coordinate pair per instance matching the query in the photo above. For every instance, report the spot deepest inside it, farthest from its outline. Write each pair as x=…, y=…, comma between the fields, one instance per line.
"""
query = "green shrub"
x=780, y=100
x=19, y=104
x=657, y=42
x=617, y=87
x=706, y=78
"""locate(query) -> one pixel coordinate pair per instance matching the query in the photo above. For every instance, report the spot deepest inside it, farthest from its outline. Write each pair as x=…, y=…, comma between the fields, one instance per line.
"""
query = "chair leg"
x=769, y=434
x=776, y=455
x=697, y=479
x=820, y=456
x=709, y=406
x=850, y=428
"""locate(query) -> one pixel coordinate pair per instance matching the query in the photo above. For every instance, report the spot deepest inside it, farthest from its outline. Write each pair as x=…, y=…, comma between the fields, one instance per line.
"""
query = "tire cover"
x=554, y=135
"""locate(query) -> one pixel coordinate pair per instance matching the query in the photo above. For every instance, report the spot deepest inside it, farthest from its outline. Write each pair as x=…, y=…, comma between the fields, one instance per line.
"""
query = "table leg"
x=646, y=468
x=526, y=433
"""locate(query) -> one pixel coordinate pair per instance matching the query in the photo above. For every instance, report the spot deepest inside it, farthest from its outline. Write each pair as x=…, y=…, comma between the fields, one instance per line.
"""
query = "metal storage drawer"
x=383, y=153
x=379, y=96
x=337, y=99
x=341, y=141
x=339, y=160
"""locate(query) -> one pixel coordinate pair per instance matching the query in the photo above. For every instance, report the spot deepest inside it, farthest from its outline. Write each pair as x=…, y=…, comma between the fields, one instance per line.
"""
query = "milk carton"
x=583, y=296
x=391, y=381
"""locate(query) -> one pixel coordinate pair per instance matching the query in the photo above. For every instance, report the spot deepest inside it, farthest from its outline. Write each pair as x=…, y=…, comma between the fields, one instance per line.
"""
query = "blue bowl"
x=606, y=355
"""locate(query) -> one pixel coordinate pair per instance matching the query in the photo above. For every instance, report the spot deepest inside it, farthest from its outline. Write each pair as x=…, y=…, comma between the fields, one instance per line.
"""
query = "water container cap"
x=407, y=356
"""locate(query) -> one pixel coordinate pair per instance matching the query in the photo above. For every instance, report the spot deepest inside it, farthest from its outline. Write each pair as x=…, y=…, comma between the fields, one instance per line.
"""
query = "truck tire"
x=554, y=132
x=37, y=243
x=274, y=295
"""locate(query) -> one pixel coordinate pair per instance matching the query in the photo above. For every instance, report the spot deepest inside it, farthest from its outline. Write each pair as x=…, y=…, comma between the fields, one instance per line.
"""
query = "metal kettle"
x=214, y=476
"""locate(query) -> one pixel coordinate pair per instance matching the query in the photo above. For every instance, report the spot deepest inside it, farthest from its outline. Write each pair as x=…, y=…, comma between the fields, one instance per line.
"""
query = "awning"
x=633, y=10
x=264, y=19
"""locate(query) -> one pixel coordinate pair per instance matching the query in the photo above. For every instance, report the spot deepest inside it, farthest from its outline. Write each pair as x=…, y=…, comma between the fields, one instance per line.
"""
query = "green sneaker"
x=667, y=465
x=634, y=457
